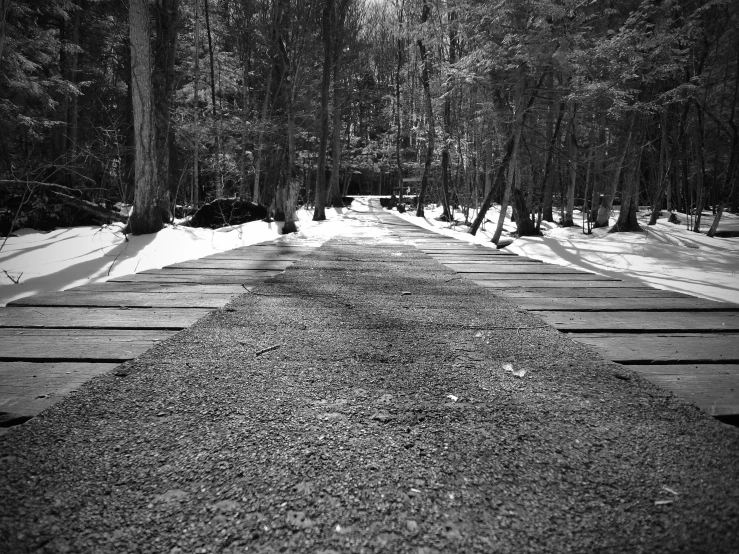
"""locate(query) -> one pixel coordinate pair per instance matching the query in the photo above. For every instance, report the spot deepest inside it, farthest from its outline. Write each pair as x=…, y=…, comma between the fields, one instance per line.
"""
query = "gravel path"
x=365, y=401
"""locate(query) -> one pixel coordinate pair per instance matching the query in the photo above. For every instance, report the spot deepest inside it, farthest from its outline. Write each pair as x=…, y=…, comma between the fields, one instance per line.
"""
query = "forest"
x=143, y=111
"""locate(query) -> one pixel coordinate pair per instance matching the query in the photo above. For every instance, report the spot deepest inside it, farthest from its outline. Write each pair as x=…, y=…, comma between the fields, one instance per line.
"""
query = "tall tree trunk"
x=488, y=156
x=195, y=193
x=551, y=137
x=338, y=36
x=570, y=206
x=606, y=200
x=165, y=49
x=72, y=115
x=425, y=82
x=599, y=167
x=547, y=180
x=661, y=173
x=219, y=175
x=453, y=46
x=146, y=217
x=701, y=173
x=319, y=213
x=260, y=139
x=627, y=222
x=398, y=69
x=246, y=54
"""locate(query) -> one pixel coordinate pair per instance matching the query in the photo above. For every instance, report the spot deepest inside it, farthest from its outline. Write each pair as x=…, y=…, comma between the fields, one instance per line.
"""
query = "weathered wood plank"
x=616, y=292
x=638, y=348
x=623, y=304
x=489, y=268
x=481, y=259
x=129, y=299
x=223, y=271
x=648, y=322
x=101, y=318
x=211, y=263
x=508, y=284
x=188, y=288
x=712, y=387
x=27, y=388
x=197, y=279
x=77, y=344
x=526, y=278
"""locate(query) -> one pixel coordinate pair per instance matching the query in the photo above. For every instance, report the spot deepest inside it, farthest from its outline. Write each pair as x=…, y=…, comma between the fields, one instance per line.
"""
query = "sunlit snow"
x=665, y=256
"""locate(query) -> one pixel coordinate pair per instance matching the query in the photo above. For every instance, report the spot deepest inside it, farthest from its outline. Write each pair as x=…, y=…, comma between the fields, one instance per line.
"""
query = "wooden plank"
x=196, y=279
x=477, y=259
x=526, y=278
x=27, y=388
x=77, y=344
x=638, y=348
x=619, y=292
x=224, y=272
x=189, y=288
x=486, y=268
x=101, y=318
x=258, y=255
x=210, y=263
x=129, y=299
x=508, y=284
x=623, y=304
x=641, y=320
x=712, y=387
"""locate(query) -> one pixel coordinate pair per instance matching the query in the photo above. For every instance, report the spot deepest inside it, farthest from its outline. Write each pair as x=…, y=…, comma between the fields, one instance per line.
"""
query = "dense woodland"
x=541, y=104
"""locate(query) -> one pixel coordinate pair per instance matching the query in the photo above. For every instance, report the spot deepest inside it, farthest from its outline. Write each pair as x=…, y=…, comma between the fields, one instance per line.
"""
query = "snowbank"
x=66, y=258
x=664, y=256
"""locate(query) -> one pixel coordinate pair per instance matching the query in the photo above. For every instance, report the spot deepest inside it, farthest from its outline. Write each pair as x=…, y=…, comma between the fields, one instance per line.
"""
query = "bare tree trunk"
x=661, y=173
x=219, y=175
x=145, y=218
x=319, y=213
x=244, y=110
x=398, y=69
x=606, y=202
x=196, y=83
x=338, y=36
x=627, y=222
x=570, y=207
x=425, y=82
x=260, y=140
x=167, y=23
x=700, y=174
x=488, y=164
x=511, y=164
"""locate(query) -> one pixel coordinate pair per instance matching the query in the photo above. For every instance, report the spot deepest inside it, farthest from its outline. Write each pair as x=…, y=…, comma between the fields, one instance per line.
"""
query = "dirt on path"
x=370, y=404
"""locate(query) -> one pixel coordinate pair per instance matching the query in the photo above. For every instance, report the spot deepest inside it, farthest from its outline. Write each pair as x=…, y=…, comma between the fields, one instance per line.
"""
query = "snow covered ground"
x=66, y=258
x=665, y=256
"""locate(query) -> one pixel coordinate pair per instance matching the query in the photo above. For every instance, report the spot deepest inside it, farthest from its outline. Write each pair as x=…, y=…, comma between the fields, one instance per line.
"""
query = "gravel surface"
x=367, y=401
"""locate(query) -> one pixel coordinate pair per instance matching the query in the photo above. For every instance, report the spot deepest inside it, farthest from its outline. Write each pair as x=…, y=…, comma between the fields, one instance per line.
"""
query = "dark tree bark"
x=425, y=82
x=218, y=176
x=524, y=223
x=338, y=36
x=319, y=213
x=146, y=217
x=398, y=69
x=166, y=21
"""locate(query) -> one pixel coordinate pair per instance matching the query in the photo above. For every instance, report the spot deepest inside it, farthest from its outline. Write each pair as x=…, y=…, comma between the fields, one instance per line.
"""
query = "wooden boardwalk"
x=685, y=344
x=52, y=343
